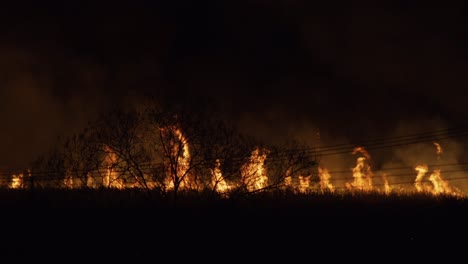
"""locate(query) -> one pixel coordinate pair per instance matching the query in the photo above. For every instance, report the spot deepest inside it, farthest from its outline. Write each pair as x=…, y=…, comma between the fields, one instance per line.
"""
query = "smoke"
x=36, y=112
x=277, y=71
x=414, y=143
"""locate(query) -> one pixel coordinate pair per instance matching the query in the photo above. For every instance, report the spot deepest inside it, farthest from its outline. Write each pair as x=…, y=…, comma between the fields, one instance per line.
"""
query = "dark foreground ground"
x=131, y=226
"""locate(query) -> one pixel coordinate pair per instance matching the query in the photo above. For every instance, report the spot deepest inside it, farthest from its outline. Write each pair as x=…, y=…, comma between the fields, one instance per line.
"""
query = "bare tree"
x=292, y=166
x=288, y=166
x=81, y=160
x=127, y=161
x=47, y=171
x=178, y=143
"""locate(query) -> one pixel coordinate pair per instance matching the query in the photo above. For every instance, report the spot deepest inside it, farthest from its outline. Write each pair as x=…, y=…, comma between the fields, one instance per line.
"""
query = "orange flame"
x=304, y=183
x=253, y=172
x=440, y=186
x=288, y=179
x=387, y=188
x=18, y=179
x=218, y=180
x=325, y=179
x=422, y=170
x=362, y=173
x=439, y=149
x=111, y=178
x=181, y=152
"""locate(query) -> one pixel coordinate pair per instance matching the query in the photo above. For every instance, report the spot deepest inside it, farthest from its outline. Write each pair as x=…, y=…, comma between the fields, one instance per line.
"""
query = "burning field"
x=174, y=177
x=169, y=154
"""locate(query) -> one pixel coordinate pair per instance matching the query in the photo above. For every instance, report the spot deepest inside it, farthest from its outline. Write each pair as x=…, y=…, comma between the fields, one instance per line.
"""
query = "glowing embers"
x=253, y=172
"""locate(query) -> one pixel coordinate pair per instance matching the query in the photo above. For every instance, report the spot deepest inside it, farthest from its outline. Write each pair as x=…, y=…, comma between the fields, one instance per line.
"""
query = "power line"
x=277, y=157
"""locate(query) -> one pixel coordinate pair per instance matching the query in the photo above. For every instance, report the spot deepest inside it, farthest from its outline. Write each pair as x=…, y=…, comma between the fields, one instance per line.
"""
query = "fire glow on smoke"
x=254, y=174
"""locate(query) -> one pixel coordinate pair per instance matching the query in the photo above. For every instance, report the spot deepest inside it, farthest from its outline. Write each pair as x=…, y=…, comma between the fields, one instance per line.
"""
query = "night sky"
x=277, y=69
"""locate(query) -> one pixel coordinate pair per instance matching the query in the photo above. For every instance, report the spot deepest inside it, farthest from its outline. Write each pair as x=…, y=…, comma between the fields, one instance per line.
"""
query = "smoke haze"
x=279, y=71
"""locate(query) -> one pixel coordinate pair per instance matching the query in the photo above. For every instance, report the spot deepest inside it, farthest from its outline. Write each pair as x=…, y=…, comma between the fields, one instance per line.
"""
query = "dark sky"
x=276, y=68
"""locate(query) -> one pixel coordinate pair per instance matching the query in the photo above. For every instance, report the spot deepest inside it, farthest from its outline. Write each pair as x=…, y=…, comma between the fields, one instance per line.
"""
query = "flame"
x=218, y=180
x=90, y=182
x=183, y=161
x=254, y=175
x=111, y=178
x=439, y=150
x=17, y=180
x=325, y=179
x=288, y=181
x=304, y=183
x=440, y=186
x=253, y=172
x=362, y=151
x=422, y=170
x=180, y=152
x=68, y=180
x=362, y=173
x=387, y=188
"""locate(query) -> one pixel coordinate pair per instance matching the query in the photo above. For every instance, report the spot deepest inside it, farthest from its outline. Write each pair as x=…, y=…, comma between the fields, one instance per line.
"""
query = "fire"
x=422, y=170
x=440, y=186
x=68, y=180
x=183, y=160
x=325, y=177
x=362, y=172
x=90, y=181
x=387, y=188
x=439, y=150
x=180, y=157
x=17, y=180
x=178, y=167
x=111, y=178
x=288, y=181
x=218, y=180
x=362, y=151
x=253, y=172
x=304, y=183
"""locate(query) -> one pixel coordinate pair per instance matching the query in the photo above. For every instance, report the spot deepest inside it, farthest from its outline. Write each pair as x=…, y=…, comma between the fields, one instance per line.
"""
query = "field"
x=136, y=224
